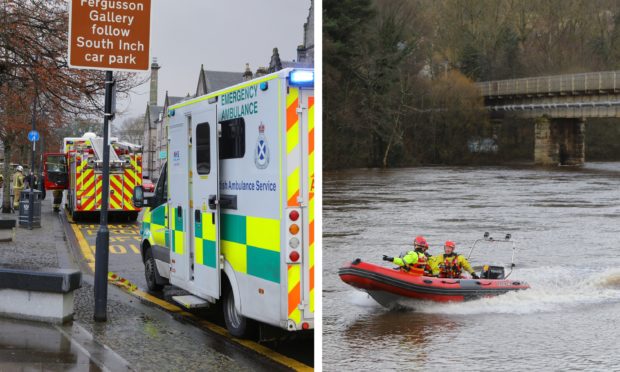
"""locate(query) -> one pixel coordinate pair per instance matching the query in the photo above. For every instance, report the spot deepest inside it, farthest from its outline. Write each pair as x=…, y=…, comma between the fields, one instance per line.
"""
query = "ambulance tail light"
x=294, y=229
x=301, y=78
x=294, y=237
x=294, y=256
x=294, y=215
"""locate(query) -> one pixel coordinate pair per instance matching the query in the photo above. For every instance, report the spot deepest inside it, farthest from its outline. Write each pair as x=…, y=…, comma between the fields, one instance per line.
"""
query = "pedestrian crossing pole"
x=103, y=235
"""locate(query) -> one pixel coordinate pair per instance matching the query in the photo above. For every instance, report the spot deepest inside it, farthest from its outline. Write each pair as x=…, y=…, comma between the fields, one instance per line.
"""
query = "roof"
x=173, y=100
x=293, y=64
x=217, y=80
x=210, y=81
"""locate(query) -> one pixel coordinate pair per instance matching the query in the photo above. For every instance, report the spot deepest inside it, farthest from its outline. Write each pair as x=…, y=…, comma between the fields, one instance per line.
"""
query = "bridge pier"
x=559, y=141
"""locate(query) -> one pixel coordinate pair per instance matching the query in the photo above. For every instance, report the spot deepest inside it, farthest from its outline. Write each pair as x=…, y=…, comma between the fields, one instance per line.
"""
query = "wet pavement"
x=35, y=346
x=32, y=346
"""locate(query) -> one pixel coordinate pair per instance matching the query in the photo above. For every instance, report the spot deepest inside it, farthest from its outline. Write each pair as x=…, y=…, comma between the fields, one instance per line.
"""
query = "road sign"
x=33, y=136
x=110, y=35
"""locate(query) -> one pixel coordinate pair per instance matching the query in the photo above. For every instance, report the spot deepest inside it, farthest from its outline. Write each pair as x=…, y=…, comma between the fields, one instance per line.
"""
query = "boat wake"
x=552, y=289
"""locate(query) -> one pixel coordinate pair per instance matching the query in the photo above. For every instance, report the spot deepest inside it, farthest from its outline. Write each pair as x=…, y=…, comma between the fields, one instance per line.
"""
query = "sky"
x=221, y=35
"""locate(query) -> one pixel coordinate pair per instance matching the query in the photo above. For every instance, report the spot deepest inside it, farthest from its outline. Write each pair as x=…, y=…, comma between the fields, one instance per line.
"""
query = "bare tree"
x=34, y=74
x=131, y=130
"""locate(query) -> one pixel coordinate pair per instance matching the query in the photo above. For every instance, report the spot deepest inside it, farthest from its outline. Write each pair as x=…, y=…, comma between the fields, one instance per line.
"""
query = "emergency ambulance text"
x=248, y=108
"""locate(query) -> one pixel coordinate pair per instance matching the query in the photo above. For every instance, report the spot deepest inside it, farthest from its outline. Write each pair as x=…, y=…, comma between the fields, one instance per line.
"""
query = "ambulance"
x=79, y=170
x=231, y=220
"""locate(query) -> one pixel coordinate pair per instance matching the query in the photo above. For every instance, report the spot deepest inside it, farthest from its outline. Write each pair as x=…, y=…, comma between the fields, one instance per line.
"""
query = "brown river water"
x=566, y=223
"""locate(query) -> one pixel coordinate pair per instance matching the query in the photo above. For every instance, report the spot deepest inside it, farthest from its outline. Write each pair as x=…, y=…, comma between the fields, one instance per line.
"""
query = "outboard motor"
x=493, y=272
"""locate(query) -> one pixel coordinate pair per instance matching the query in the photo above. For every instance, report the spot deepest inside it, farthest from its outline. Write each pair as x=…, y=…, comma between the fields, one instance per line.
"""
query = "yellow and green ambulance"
x=232, y=216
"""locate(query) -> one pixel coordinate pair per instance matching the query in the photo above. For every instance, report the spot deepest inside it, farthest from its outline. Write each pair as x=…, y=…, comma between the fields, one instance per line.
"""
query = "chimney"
x=275, y=64
x=154, y=68
x=247, y=75
x=261, y=71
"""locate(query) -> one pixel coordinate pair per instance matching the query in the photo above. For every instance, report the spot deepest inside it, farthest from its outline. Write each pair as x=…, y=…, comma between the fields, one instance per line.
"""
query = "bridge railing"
x=553, y=85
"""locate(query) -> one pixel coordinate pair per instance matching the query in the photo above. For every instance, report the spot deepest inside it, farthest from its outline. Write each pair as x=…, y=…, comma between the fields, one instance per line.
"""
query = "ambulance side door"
x=206, y=204
x=178, y=196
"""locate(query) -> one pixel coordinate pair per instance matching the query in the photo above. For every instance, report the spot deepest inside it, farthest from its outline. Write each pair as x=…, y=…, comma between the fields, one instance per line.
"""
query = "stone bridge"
x=560, y=106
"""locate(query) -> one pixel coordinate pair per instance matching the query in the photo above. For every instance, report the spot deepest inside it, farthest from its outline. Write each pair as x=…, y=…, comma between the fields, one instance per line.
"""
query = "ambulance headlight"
x=301, y=78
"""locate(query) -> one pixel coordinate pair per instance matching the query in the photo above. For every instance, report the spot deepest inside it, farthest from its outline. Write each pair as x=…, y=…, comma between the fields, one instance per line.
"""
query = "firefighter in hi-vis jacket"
x=18, y=185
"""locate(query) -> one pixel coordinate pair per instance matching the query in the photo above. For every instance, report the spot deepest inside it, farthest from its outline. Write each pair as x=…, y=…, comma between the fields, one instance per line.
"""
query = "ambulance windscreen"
x=232, y=141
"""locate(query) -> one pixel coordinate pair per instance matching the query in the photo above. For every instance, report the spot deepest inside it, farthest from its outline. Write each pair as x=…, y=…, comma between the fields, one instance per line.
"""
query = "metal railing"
x=592, y=82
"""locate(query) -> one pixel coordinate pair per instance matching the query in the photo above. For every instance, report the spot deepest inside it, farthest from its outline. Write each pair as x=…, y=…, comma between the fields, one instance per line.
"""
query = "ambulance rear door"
x=300, y=199
x=306, y=101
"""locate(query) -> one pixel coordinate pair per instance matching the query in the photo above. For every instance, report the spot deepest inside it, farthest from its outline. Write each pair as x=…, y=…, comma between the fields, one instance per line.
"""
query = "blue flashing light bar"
x=301, y=78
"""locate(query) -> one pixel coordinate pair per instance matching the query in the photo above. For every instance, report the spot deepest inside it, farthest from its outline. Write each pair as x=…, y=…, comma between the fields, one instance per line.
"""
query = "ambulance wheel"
x=238, y=325
x=150, y=272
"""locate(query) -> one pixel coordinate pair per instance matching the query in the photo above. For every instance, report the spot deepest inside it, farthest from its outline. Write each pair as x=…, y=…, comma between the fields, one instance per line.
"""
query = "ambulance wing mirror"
x=138, y=197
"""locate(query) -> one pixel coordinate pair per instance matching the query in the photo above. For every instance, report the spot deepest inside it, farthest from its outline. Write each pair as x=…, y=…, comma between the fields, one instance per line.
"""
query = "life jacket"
x=421, y=267
x=450, y=267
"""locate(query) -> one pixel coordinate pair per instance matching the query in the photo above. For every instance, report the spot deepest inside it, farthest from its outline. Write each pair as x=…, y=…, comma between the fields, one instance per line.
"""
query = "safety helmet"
x=419, y=241
x=449, y=244
x=20, y=168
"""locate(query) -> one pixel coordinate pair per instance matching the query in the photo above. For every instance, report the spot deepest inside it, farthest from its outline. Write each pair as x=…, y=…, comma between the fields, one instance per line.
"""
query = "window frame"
x=238, y=148
x=198, y=146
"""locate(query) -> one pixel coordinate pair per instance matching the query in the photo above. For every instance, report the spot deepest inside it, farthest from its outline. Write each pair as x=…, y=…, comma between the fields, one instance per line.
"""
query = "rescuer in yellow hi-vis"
x=450, y=264
x=18, y=185
x=414, y=262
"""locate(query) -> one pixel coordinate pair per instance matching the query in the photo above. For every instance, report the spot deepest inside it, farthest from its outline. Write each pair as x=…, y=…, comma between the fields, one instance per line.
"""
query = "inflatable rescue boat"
x=390, y=286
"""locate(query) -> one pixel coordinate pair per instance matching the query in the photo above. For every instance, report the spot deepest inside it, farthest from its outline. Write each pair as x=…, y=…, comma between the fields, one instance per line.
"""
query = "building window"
x=203, y=149
x=232, y=140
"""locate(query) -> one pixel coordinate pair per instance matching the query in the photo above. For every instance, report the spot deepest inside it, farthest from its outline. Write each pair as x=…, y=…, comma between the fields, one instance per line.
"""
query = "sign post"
x=111, y=36
x=33, y=136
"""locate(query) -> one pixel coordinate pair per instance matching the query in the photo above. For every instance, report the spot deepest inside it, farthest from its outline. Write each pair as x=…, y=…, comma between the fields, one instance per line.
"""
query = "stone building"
x=153, y=118
x=305, y=52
